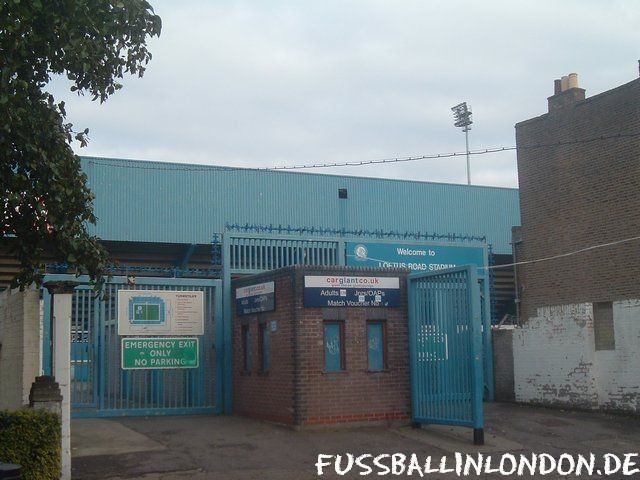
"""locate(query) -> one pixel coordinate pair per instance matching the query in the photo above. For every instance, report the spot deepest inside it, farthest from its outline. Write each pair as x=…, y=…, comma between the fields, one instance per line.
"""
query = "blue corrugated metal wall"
x=181, y=203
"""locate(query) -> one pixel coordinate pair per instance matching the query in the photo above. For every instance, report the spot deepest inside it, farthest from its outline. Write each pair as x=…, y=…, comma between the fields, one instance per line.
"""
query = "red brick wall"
x=297, y=389
x=267, y=396
x=576, y=196
x=354, y=394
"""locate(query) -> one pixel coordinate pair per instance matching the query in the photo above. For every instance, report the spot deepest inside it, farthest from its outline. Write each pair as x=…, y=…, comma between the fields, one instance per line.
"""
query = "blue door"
x=446, y=348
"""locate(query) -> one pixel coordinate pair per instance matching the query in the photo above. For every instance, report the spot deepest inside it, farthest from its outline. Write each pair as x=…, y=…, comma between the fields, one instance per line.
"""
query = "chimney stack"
x=566, y=92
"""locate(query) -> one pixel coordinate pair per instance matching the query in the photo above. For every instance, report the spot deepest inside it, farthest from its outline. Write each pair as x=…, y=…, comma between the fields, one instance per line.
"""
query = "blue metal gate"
x=445, y=346
x=100, y=387
x=246, y=254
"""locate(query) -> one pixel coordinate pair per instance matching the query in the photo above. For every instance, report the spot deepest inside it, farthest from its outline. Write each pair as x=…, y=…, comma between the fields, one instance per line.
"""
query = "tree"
x=46, y=202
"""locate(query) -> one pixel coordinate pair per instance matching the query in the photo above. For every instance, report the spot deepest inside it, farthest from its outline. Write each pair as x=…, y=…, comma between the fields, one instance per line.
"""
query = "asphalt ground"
x=228, y=447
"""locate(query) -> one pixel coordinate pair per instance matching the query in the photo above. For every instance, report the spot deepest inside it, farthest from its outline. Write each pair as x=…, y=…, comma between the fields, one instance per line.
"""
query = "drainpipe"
x=516, y=239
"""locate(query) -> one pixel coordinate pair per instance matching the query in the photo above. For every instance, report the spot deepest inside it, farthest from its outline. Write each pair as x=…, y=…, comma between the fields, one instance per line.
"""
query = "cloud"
x=259, y=84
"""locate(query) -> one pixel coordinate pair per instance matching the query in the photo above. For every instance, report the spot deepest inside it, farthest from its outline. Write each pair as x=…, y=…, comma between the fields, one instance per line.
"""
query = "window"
x=246, y=348
x=263, y=346
x=376, y=345
x=333, y=346
x=603, y=327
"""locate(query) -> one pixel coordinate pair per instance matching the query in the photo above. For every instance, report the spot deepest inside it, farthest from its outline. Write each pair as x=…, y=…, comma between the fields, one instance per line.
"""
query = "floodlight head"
x=462, y=115
x=461, y=107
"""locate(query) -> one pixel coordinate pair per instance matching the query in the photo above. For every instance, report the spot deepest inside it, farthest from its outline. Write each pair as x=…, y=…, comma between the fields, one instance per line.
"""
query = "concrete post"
x=61, y=367
x=45, y=395
x=62, y=372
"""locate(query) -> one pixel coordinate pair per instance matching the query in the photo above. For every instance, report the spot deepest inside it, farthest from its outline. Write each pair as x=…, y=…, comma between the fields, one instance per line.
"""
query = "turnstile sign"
x=159, y=353
x=160, y=312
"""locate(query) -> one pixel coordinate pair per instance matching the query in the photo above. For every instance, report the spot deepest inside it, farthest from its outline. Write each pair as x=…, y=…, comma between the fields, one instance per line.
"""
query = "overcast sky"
x=266, y=83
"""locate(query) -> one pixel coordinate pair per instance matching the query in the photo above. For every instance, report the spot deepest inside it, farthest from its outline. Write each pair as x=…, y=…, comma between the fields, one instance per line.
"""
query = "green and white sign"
x=146, y=313
x=159, y=353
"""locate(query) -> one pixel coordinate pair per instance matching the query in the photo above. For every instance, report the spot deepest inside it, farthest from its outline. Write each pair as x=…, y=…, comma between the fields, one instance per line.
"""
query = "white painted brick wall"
x=555, y=360
x=618, y=370
x=20, y=352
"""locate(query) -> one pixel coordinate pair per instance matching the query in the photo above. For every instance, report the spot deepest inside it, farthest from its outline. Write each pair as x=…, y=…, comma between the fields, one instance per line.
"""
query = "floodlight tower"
x=462, y=115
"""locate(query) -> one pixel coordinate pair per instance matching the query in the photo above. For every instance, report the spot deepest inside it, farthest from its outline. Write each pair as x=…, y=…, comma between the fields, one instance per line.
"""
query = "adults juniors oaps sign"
x=418, y=258
x=340, y=291
x=160, y=312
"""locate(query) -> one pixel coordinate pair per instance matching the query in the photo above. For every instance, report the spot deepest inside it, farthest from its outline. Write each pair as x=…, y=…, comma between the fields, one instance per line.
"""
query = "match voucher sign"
x=340, y=291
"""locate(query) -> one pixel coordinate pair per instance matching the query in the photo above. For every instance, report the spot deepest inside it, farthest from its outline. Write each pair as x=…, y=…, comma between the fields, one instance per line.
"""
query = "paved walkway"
x=207, y=447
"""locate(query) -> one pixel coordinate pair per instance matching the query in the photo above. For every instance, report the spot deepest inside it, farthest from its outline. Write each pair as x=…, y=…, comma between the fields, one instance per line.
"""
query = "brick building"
x=579, y=174
x=283, y=370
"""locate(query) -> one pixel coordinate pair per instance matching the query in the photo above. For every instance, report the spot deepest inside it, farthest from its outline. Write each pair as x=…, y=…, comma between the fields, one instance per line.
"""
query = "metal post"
x=411, y=286
x=477, y=347
x=462, y=115
x=227, y=350
x=466, y=137
x=486, y=330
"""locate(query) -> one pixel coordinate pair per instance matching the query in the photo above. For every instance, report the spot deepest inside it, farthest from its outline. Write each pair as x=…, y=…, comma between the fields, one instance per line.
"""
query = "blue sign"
x=256, y=298
x=340, y=291
x=417, y=258
x=146, y=310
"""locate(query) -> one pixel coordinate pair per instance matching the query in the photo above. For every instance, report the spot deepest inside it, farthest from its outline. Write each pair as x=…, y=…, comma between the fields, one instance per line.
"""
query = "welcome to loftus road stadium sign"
x=416, y=257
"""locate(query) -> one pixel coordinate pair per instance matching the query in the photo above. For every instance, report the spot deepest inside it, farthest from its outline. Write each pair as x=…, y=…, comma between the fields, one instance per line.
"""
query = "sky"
x=270, y=83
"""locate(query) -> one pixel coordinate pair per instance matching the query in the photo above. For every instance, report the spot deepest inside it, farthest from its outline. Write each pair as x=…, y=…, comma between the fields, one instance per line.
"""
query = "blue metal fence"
x=445, y=344
x=100, y=387
x=253, y=254
x=245, y=254
x=248, y=253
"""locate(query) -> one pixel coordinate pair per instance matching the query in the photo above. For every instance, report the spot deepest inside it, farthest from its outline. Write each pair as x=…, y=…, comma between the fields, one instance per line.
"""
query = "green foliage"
x=31, y=438
x=46, y=202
